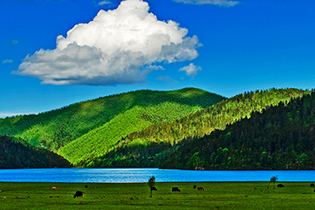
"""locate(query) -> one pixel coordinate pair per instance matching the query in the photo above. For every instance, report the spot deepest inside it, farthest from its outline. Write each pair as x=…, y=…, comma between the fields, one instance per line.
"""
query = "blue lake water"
x=133, y=175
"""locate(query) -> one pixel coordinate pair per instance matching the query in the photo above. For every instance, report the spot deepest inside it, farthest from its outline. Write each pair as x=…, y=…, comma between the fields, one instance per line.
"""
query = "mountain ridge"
x=165, y=135
x=55, y=129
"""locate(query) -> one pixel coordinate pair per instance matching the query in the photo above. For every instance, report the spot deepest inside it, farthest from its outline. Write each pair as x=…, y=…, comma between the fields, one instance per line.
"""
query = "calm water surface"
x=142, y=175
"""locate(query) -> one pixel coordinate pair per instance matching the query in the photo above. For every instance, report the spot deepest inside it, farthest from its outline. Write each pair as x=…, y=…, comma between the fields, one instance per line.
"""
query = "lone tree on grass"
x=273, y=180
x=151, y=184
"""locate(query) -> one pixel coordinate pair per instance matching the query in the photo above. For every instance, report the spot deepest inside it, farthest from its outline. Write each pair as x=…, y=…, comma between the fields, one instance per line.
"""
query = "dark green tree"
x=273, y=180
x=151, y=184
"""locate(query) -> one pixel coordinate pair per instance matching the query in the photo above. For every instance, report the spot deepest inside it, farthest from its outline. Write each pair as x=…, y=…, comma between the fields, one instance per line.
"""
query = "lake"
x=136, y=175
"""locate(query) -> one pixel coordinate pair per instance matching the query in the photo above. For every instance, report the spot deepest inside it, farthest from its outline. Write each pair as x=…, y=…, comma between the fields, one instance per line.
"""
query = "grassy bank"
x=240, y=195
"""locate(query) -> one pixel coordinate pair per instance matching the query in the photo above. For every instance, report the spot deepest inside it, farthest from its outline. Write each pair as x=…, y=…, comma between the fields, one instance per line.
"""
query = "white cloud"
x=153, y=67
x=7, y=61
x=191, y=70
x=225, y=3
x=118, y=47
x=104, y=3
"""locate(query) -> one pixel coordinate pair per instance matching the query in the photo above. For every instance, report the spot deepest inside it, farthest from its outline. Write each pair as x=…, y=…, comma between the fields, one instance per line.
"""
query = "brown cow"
x=201, y=188
x=53, y=188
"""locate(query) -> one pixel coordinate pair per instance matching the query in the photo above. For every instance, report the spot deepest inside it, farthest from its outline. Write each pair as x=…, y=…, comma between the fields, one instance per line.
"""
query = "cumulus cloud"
x=225, y=3
x=7, y=61
x=120, y=46
x=191, y=70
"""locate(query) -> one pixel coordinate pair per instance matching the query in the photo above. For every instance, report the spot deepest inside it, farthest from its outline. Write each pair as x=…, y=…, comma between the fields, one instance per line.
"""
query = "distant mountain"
x=84, y=131
x=281, y=137
x=152, y=145
x=185, y=128
x=16, y=153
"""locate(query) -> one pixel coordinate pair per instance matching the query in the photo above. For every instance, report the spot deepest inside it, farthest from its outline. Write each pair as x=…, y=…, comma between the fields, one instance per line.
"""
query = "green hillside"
x=282, y=137
x=141, y=128
x=16, y=153
x=215, y=117
x=152, y=145
x=87, y=130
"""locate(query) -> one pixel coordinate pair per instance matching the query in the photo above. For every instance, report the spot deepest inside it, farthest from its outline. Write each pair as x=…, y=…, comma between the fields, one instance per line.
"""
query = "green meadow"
x=216, y=195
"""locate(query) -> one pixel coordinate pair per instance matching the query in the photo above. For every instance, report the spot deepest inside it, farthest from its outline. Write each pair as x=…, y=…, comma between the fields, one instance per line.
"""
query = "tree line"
x=17, y=153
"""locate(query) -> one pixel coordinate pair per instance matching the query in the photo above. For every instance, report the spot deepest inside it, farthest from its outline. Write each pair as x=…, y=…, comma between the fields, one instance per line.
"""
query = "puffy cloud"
x=7, y=61
x=225, y=3
x=119, y=46
x=191, y=70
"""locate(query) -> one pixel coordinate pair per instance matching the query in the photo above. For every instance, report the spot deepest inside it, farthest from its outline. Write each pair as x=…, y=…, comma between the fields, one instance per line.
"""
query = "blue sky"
x=221, y=46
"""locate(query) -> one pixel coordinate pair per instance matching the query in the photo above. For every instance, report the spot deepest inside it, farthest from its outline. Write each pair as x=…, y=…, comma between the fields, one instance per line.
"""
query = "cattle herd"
x=174, y=189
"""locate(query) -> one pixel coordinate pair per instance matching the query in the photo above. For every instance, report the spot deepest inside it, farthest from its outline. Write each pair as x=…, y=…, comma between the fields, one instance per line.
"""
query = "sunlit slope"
x=59, y=127
x=107, y=115
x=217, y=116
x=101, y=140
x=136, y=149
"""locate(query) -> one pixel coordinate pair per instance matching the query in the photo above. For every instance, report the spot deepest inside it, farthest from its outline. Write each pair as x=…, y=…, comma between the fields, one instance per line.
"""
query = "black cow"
x=175, y=189
x=194, y=186
x=312, y=185
x=280, y=185
x=78, y=193
x=86, y=186
x=153, y=188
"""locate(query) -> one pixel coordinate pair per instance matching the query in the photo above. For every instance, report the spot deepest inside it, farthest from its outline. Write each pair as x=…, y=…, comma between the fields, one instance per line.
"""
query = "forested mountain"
x=16, y=153
x=281, y=137
x=152, y=145
x=217, y=116
x=186, y=128
x=84, y=131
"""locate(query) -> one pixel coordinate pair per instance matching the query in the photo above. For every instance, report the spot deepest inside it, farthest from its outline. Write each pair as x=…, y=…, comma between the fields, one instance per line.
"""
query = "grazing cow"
x=194, y=186
x=201, y=188
x=78, y=193
x=153, y=188
x=280, y=185
x=86, y=186
x=53, y=188
x=312, y=185
x=175, y=189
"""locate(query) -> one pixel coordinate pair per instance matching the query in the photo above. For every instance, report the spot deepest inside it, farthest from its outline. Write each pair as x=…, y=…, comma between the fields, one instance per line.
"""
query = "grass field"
x=227, y=195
